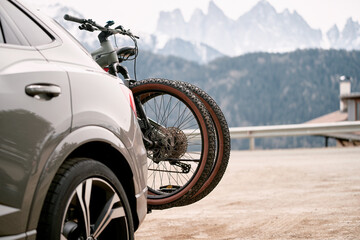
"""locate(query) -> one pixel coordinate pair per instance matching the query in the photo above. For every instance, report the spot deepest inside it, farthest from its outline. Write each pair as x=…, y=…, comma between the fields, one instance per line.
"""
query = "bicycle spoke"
x=168, y=112
x=177, y=161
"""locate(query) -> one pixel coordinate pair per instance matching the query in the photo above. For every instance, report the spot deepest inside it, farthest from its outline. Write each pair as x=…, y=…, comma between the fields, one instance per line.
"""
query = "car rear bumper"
x=141, y=203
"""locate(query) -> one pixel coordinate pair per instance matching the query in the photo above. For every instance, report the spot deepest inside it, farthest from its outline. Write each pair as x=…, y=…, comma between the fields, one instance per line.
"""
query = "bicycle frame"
x=165, y=143
x=105, y=55
x=108, y=56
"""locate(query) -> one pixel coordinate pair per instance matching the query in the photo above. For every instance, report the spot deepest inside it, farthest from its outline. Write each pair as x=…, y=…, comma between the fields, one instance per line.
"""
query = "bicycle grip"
x=74, y=19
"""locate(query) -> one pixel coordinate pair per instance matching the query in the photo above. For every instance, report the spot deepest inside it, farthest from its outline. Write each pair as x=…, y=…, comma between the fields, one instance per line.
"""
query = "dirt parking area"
x=274, y=194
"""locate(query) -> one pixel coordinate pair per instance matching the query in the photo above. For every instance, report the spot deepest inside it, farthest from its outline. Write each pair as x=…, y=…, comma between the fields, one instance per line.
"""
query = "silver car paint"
x=51, y=124
x=27, y=127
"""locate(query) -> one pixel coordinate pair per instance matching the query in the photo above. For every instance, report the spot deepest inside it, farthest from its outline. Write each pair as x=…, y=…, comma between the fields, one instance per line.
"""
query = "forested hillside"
x=265, y=88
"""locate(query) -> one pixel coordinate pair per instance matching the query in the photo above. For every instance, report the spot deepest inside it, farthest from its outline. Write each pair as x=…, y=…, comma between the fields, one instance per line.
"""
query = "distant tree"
x=265, y=88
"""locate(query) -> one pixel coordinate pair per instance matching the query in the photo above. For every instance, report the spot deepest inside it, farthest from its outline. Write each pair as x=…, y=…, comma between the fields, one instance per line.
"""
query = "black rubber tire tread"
x=51, y=214
x=222, y=130
x=183, y=196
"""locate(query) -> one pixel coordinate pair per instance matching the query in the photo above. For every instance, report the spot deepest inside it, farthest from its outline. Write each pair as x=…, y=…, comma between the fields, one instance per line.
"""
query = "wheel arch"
x=106, y=154
x=91, y=142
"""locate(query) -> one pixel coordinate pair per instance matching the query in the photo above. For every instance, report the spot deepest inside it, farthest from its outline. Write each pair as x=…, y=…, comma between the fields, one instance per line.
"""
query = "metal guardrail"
x=304, y=129
x=295, y=129
x=288, y=130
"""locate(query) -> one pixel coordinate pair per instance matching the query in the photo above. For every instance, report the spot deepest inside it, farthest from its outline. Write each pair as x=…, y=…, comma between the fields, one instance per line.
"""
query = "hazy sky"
x=141, y=15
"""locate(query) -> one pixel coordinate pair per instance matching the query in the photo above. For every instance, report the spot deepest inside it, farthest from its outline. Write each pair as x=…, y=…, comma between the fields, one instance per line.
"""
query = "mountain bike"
x=184, y=131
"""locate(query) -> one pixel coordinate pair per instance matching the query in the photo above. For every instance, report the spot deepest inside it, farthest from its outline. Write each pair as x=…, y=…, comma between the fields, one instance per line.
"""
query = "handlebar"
x=88, y=24
x=74, y=19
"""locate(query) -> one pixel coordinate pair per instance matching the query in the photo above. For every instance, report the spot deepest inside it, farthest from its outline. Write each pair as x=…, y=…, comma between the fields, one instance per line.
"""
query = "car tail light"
x=127, y=92
x=132, y=102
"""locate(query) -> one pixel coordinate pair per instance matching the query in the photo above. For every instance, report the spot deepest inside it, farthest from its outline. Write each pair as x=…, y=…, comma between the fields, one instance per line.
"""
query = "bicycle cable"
x=135, y=57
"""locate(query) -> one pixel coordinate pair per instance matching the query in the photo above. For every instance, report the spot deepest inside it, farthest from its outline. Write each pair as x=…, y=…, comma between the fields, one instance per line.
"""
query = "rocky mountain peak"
x=348, y=38
x=262, y=28
x=351, y=29
x=197, y=14
x=171, y=23
x=214, y=11
x=263, y=8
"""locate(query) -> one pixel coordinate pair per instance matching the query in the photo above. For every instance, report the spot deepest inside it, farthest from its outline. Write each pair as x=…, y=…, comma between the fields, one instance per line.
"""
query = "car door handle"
x=43, y=91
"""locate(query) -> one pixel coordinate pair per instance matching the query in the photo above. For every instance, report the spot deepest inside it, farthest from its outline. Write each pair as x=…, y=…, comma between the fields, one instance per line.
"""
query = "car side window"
x=1, y=34
x=8, y=36
x=33, y=32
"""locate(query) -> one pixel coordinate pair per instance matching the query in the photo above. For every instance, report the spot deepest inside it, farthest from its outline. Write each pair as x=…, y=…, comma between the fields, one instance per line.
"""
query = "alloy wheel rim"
x=91, y=209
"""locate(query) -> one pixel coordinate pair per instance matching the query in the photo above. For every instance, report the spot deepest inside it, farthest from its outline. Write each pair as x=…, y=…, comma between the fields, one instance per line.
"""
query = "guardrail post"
x=252, y=143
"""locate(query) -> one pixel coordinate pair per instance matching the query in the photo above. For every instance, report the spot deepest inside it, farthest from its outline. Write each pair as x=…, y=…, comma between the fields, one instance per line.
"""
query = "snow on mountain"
x=173, y=23
x=348, y=38
x=202, y=28
x=210, y=35
x=260, y=29
x=197, y=52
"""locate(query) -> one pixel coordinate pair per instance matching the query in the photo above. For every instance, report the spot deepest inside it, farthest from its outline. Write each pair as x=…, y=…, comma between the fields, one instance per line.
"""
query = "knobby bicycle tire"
x=148, y=92
x=223, y=144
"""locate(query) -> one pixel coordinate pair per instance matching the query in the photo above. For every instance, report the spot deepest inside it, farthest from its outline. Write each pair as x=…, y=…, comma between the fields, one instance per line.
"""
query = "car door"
x=35, y=112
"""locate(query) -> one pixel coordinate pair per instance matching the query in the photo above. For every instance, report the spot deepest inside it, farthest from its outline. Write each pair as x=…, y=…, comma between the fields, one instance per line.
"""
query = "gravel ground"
x=274, y=194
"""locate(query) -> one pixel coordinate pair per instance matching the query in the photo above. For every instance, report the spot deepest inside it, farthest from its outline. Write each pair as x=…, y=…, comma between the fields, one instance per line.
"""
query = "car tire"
x=85, y=201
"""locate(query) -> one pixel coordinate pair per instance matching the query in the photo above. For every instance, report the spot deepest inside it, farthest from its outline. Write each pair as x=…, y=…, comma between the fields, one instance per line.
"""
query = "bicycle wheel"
x=223, y=143
x=182, y=158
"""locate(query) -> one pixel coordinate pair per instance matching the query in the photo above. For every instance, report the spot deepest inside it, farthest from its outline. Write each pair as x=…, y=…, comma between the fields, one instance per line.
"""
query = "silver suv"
x=72, y=159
